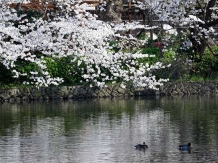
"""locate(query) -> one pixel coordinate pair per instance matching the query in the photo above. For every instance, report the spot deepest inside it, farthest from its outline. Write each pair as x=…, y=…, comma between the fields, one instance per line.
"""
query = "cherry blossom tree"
x=76, y=33
x=195, y=20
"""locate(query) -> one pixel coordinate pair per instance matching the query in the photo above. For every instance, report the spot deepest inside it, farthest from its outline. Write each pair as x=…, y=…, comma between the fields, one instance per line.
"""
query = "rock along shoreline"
x=80, y=92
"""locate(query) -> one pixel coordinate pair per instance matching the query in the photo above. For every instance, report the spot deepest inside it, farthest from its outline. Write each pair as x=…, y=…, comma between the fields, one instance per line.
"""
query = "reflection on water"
x=106, y=130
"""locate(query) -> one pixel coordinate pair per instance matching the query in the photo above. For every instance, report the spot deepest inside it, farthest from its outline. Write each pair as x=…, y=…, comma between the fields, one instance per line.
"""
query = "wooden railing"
x=33, y=6
x=42, y=6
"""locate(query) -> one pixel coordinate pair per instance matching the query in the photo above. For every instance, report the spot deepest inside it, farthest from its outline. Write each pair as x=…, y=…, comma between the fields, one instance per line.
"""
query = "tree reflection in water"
x=106, y=130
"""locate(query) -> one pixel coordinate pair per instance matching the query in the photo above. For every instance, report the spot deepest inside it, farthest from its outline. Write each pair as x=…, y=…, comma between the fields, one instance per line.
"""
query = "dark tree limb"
x=209, y=12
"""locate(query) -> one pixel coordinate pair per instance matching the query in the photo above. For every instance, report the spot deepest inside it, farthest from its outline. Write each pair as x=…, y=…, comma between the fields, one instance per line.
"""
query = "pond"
x=106, y=130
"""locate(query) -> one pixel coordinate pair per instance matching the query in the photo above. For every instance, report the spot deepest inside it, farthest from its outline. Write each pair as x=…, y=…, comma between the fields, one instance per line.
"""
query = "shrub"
x=66, y=69
x=206, y=66
x=168, y=57
x=150, y=51
x=6, y=76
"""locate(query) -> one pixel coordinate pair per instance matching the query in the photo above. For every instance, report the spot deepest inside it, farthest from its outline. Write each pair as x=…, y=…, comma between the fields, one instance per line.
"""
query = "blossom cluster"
x=77, y=33
x=194, y=19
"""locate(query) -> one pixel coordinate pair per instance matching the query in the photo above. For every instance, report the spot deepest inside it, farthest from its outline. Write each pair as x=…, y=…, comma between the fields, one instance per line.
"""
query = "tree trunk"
x=114, y=10
x=200, y=48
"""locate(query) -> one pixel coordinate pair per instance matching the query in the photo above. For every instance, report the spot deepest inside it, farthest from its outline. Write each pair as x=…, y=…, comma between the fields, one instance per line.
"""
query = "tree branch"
x=211, y=3
x=202, y=9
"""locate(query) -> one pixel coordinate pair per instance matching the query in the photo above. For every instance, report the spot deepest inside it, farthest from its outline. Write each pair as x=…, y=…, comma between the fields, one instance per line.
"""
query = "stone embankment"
x=77, y=92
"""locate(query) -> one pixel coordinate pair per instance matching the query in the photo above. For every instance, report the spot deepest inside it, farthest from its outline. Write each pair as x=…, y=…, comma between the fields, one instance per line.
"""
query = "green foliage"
x=113, y=43
x=6, y=76
x=142, y=36
x=114, y=46
x=30, y=15
x=25, y=67
x=196, y=78
x=168, y=57
x=66, y=69
x=206, y=66
x=151, y=50
x=154, y=51
x=179, y=70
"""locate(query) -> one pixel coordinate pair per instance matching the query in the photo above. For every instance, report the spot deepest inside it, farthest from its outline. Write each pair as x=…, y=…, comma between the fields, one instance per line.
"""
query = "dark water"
x=107, y=130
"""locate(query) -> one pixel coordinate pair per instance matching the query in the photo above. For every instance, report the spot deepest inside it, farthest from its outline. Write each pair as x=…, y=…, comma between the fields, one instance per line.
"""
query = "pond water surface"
x=106, y=130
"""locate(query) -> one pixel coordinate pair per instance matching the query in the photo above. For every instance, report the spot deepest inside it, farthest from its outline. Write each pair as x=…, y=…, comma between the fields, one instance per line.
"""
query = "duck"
x=141, y=146
x=185, y=147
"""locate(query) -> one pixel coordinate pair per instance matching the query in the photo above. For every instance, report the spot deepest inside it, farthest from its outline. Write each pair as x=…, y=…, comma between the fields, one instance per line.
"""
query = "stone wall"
x=76, y=92
x=190, y=88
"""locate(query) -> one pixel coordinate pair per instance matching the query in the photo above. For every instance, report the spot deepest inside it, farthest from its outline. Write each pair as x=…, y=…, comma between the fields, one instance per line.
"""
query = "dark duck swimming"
x=185, y=147
x=141, y=146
